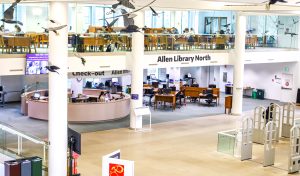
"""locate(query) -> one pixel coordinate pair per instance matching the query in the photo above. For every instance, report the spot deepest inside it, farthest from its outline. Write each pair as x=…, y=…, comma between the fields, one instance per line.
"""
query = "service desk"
x=84, y=112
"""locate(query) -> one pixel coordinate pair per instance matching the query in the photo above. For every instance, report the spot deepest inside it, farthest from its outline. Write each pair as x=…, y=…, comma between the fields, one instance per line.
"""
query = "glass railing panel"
x=288, y=41
x=186, y=42
x=122, y=42
x=17, y=144
x=226, y=142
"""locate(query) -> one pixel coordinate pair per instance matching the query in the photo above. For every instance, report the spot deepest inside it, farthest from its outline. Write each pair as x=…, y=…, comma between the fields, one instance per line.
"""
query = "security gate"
x=259, y=122
x=269, y=145
x=275, y=113
x=288, y=117
x=294, y=158
x=246, y=148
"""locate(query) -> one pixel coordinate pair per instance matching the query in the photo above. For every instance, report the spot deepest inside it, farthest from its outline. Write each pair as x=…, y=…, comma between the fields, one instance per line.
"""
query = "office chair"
x=209, y=99
x=150, y=94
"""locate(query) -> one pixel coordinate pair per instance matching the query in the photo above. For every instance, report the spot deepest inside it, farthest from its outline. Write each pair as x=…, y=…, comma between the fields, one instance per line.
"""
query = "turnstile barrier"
x=288, y=118
x=246, y=146
x=259, y=122
x=269, y=145
x=294, y=156
x=275, y=113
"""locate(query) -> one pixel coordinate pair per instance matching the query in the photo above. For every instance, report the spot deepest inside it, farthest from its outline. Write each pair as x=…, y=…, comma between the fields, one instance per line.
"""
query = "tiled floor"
x=184, y=147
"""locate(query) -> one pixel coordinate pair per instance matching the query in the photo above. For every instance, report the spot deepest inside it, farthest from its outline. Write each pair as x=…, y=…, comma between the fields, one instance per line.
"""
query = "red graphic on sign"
x=116, y=169
x=287, y=84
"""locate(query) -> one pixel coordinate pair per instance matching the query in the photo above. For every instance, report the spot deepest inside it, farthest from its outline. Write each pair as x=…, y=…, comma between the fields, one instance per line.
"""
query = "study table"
x=166, y=98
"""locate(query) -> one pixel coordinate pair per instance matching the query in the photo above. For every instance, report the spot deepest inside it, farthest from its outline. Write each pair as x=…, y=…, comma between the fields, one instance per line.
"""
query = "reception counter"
x=84, y=112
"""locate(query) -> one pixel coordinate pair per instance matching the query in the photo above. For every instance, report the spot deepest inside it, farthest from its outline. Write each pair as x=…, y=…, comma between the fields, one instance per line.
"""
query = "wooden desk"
x=169, y=98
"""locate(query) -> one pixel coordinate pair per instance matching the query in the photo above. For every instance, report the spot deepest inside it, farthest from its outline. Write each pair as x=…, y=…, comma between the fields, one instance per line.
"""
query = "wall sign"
x=99, y=73
x=179, y=58
x=114, y=166
x=134, y=96
x=287, y=81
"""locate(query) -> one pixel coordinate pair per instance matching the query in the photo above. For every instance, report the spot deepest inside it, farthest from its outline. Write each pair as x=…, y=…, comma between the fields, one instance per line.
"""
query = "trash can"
x=228, y=89
x=254, y=94
x=36, y=166
x=260, y=94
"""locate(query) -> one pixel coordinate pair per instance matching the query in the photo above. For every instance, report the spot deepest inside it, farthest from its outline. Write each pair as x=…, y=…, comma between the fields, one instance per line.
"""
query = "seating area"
x=161, y=98
x=108, y=42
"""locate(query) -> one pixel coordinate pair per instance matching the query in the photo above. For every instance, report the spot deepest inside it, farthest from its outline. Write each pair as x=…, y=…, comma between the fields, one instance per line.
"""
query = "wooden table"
x=166, y=98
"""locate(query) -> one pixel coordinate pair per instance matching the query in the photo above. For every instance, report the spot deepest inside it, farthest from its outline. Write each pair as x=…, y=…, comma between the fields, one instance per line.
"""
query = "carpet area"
x=10, y=115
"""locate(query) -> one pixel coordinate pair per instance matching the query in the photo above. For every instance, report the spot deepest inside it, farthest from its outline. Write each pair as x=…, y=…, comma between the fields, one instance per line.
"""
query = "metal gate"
x=275, y=113
x=269, y=145
x=246, y=148
x=294, y=157
x=288, y=117
x=259, y=122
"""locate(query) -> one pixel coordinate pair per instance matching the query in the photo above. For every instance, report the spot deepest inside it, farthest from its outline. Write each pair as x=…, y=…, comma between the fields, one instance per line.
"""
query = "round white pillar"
x=137, y=56
x=238, y=62
x=58, y=84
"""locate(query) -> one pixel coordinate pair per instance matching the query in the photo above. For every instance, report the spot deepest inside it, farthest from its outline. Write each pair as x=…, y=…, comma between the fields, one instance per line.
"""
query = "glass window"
x=148, y=19
x=167, y=19
x=87, y=20
x=214, y=25
x=178, y=21
x=99, y=14
x=185, y=20
x=158, y=20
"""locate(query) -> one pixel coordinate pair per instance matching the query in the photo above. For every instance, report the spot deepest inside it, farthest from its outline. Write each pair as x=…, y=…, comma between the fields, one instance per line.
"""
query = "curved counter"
x=78, y=112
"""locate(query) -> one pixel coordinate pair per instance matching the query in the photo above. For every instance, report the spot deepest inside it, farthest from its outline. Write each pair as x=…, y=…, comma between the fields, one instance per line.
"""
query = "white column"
x=137, y=57
x=57, y=127
x=238, y=75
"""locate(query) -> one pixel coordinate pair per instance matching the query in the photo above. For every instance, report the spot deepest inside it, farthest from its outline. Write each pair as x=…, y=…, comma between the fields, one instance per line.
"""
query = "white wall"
x=262, y=76
x=200, y=73
x=229, y=70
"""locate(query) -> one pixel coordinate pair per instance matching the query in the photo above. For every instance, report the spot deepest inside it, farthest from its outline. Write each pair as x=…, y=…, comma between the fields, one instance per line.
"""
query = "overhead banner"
x=113, y=73
x=112, y=165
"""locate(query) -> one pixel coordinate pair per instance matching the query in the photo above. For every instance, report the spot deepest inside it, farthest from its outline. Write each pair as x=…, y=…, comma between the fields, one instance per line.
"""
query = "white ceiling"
x=198, y=4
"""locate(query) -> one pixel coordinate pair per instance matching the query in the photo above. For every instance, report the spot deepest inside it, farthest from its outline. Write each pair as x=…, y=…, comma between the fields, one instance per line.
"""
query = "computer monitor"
x=114, y=80
x=212, y=86
x=173, y=88
x=1, y=88
x=209, y=91
x=167, y=76
x=164, y=86
x=148, y=77
x=167, y=91
x=46, y=93
x=74, y=138
x=153, y=76
x=88, y=84
x=155, y=84
x=36, y=95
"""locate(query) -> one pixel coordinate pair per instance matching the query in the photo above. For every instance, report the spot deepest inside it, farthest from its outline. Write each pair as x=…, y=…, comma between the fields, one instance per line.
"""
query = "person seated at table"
x=192, y=32
x=102, y=97
x=18, y=30
x=73, y=97
x=164, y=31
x=174, y=30
x=2, y=28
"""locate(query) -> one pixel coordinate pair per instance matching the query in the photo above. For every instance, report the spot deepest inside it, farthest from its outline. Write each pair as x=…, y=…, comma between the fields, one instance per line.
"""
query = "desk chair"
x=210, y=99
x=150, y=94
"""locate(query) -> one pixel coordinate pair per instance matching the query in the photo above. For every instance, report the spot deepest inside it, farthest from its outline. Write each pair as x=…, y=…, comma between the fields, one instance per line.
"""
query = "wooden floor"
x=180, y=148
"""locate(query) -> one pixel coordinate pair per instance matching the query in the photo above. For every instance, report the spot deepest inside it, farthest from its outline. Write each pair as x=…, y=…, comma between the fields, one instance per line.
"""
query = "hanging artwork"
x=287, y=81
x=224, y=76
